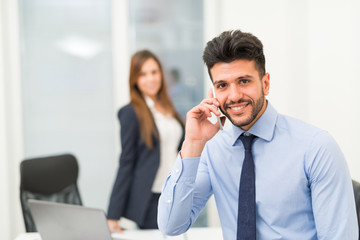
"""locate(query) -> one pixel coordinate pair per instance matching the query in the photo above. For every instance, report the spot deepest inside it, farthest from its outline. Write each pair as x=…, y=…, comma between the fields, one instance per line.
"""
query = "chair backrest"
x=52, y=178
x=356, y=186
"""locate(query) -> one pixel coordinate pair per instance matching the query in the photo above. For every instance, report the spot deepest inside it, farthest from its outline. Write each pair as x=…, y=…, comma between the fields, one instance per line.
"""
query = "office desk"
x=192, y=234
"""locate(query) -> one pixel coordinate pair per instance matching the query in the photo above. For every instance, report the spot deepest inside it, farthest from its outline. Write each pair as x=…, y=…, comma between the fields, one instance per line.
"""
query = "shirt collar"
x=149, y=102
x=263, y=128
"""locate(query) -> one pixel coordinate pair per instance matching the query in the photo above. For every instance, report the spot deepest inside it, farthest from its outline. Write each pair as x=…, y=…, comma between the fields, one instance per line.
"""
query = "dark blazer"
x=138, y=166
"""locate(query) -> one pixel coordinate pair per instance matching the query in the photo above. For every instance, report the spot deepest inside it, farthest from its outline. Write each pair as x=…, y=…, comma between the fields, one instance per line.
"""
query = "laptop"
x=59, y=221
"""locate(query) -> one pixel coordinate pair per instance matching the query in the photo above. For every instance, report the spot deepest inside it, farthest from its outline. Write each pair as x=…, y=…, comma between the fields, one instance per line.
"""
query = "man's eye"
x=221, y=85
x=243, y=81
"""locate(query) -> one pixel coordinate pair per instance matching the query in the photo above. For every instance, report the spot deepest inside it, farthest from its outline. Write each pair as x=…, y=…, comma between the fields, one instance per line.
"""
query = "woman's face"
x=149, y=81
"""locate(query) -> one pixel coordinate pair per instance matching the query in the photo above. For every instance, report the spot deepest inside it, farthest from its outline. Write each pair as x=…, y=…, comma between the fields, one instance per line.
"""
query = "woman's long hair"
x=146, y=120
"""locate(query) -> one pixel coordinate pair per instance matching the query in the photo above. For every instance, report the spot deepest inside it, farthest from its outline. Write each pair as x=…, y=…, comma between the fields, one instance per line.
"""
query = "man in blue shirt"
x=302, y=184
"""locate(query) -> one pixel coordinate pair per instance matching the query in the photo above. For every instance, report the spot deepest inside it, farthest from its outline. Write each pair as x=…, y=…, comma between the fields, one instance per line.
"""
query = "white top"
x=170, y=132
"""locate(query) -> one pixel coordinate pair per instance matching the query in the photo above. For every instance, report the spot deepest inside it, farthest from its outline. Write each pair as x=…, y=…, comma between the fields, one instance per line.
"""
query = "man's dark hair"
x=234, y=45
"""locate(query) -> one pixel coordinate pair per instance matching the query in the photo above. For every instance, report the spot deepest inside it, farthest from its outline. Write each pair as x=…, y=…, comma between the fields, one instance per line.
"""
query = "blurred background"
x=64, y=75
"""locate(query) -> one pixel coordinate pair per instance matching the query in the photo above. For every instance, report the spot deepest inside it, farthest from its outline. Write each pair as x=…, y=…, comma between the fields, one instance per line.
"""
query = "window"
x=173, y=30
x=67, y=88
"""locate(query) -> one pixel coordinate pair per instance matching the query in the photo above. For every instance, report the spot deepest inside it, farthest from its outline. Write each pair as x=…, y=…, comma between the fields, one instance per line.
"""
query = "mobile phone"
x=218, y=118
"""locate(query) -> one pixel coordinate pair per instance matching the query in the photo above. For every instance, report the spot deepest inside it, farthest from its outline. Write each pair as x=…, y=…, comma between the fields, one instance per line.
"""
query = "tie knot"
x=247, y=140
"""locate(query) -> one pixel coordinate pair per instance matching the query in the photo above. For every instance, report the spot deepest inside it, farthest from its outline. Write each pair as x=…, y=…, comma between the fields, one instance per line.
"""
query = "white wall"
x=121, y=53
x=4, y=177
x=11, y=149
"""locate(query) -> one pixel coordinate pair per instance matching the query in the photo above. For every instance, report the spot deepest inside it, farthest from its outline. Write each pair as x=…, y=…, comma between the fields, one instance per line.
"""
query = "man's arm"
x=331, y=190
x=181, y=201
x=186, y=191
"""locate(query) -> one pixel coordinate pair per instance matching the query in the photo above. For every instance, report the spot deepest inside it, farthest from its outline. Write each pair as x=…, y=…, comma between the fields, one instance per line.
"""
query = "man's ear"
x=266, y=83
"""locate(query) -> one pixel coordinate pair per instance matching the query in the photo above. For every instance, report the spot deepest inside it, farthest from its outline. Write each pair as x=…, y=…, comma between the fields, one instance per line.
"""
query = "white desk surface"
x=192, y=234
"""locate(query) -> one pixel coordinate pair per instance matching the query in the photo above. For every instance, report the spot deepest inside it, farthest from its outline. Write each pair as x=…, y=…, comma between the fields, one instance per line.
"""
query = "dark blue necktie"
x=247, y=211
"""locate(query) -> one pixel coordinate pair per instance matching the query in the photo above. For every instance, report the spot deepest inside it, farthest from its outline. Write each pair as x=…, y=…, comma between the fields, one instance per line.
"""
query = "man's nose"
x=235, y=93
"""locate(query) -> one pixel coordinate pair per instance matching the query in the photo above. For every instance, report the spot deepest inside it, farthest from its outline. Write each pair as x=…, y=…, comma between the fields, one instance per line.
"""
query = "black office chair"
x=52, y=178
x=356, y=186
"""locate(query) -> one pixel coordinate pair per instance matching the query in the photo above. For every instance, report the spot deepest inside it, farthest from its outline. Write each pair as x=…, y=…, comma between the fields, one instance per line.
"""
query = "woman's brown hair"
x=146, y=120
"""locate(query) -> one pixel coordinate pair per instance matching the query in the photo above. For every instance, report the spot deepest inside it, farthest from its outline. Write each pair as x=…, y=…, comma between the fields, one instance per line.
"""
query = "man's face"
x=240, y=91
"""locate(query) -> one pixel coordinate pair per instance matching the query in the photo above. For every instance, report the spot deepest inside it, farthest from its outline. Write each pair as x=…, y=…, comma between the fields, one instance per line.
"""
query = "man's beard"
x=256, y=108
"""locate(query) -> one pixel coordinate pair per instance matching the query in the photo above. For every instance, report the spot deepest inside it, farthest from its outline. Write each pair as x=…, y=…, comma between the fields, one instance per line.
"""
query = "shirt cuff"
x=186, y=168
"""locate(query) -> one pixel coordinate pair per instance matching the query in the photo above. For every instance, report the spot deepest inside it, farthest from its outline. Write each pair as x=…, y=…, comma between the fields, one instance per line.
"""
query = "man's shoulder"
x=296, y=123
x=300, y=129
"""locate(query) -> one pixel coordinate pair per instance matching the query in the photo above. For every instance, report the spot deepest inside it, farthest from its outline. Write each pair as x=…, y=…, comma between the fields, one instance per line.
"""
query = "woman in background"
x=151, y=136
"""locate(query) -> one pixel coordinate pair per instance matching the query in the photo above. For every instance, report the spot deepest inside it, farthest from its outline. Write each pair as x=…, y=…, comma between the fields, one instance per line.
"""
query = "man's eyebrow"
x=218, y=81
x=245, y=76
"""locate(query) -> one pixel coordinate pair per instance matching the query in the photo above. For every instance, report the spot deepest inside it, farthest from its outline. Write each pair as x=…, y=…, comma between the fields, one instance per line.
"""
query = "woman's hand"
x=114, y=226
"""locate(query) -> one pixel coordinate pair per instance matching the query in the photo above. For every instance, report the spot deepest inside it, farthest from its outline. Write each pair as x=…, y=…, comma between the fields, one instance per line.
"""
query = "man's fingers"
x=205, y=109
x=210, y=101
x=202, y=110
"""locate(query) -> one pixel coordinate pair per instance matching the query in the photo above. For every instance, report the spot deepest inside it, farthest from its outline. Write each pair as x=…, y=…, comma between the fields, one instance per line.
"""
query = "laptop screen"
x=59, y=221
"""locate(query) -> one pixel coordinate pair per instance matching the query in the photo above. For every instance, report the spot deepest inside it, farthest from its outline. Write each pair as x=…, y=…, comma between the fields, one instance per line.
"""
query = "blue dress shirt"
x=303, y=186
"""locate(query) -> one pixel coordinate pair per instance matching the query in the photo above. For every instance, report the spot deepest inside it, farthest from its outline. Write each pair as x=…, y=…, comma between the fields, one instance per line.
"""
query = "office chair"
x=356, y=186
x=52, y=178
